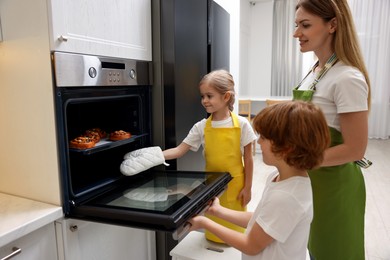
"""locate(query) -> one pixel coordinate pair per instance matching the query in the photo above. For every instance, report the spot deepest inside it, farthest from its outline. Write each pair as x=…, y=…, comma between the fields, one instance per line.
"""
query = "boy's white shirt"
x=195, y=137
x=284, y=212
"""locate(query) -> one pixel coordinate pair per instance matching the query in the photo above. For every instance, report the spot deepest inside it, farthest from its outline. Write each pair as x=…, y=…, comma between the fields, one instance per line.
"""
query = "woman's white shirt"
x=343, y=89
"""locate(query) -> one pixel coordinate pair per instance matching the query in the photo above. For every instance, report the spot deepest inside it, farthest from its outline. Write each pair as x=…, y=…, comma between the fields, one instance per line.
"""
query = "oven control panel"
x=75, y=70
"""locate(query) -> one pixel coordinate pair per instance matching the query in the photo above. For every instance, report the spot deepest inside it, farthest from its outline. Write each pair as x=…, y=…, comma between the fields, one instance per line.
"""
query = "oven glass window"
x=158, y=194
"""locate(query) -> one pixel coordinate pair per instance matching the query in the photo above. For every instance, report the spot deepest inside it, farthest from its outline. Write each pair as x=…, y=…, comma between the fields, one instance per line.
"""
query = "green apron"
x=339, y=200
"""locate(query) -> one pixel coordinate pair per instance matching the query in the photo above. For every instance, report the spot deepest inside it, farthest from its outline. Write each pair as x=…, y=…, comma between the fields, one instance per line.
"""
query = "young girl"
x=293, y=138
x=226, y=139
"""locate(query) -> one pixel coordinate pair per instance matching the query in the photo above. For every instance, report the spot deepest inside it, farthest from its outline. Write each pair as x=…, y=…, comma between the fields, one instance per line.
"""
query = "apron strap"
x=329, y=63
x=232, y=115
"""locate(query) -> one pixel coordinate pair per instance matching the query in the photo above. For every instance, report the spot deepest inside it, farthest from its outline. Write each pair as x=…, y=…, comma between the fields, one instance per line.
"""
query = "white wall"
x=250, y=45
x=245, y=39
x=233, y=8
x=256, y=48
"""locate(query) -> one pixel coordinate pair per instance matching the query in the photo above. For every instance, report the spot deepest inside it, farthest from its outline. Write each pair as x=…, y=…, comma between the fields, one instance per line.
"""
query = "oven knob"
x=92, y=72
x=132, y=74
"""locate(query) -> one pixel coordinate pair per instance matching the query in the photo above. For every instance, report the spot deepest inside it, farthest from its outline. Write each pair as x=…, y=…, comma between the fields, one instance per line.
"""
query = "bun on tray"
x=119, y=135
x=102, y=134
x=82, y=142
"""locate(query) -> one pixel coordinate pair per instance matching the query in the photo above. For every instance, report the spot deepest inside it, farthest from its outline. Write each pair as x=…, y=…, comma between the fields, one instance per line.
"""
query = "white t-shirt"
x=285, y=212
x=343, y=89
x=195, y=137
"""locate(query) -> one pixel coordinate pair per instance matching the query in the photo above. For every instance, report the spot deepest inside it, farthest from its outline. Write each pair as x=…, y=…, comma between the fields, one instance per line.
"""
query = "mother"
x=339, y=84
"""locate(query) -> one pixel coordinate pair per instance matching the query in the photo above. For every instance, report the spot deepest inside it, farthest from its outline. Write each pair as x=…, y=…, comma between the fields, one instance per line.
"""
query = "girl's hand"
x=245, y=196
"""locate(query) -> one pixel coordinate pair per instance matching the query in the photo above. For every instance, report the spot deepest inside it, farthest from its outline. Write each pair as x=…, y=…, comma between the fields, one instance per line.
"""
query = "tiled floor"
x=377, y=179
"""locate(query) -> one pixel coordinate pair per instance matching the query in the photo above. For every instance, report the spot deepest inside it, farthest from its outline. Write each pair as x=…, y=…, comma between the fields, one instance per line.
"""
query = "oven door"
x=93, y=186
x=154, y=200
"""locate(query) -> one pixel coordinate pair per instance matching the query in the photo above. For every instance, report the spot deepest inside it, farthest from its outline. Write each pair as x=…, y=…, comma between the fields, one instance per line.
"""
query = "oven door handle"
x=182, y=231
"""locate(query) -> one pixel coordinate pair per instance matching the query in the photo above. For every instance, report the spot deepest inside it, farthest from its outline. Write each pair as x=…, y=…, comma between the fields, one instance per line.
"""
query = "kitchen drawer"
x=38, y=245
x=80, y=240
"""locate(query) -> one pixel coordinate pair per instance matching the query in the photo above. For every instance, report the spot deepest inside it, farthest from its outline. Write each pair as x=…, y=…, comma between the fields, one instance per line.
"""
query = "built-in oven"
x=115, y=94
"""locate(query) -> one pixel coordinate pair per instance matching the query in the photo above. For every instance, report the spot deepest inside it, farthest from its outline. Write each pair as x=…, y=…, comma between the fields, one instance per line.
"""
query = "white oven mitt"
x=141, y=160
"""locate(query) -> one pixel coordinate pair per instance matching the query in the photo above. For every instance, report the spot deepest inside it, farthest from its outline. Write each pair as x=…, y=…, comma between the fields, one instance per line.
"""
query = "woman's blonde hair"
x=297, y=130
x=345, y=43
x=222, y=81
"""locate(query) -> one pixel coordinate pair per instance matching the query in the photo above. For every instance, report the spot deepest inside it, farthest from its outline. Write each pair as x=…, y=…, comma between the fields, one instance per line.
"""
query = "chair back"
x=270, y=102
x=244, y=109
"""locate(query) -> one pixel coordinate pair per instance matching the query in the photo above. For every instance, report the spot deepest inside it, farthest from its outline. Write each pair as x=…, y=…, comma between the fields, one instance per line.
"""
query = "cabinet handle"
x=15, y=251
x=1, y=32
x=73, y=228
x=63, y=38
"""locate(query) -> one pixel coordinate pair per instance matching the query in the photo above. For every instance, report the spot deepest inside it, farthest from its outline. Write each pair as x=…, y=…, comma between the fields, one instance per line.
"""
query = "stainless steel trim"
x=15, y=251
x=76, y=70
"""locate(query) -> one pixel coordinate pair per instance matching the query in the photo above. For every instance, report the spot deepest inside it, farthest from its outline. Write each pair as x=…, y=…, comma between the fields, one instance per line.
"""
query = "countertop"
x=20, y=216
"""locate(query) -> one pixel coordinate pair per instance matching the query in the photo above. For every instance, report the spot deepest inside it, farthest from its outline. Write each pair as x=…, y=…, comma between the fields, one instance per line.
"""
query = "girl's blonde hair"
x=345, y=43
x=297, y=130
x=222, y=81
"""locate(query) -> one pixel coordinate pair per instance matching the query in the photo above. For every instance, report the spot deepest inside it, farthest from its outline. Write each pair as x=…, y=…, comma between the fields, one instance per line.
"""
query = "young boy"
x=293, y=138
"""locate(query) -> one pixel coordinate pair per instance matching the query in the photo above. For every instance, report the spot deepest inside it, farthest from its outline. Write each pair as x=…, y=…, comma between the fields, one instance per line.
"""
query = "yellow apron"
x=223, y=154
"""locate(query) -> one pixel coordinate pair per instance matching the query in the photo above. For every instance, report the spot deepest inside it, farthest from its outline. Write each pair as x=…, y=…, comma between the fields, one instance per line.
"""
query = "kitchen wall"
x=256, y=48
x=250, y=45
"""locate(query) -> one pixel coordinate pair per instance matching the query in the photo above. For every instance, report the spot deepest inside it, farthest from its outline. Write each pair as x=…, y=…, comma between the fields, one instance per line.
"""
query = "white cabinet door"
x=38, y=245
x=80, y=240
x=115, y=28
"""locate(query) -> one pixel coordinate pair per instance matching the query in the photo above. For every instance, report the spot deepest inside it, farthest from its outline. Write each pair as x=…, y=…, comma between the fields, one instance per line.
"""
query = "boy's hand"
x=197, y=222
x=214, y=207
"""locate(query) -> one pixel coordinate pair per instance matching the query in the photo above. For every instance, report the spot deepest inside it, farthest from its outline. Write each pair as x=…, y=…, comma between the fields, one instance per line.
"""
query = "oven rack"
x=105, y=144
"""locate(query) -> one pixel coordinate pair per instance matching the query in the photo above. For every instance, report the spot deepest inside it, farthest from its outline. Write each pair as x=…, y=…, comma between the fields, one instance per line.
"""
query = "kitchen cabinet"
x=119, y=28
x=195, y=247
x=79, y=240
x=37, y=245
x=29, y=167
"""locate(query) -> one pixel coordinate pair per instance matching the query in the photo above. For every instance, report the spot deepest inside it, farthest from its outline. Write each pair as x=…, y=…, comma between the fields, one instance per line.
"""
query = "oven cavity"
x=97, y=125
